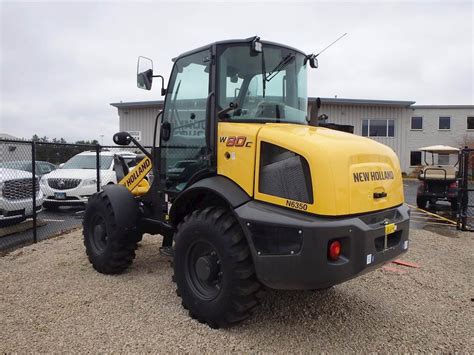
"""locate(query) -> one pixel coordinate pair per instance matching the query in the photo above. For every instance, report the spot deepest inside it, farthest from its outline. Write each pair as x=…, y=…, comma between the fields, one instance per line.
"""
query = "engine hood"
x=350, y=174
x=80, y=174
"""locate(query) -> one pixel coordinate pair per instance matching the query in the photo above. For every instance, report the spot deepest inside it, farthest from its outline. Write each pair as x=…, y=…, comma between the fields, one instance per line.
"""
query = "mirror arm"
x=139, y=146
x=163, y=90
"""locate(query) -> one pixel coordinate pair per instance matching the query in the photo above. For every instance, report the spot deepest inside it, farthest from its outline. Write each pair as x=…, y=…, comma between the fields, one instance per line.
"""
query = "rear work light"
x=334, y=250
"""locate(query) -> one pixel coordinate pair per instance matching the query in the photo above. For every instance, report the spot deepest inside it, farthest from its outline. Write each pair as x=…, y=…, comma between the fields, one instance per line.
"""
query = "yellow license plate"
x=390, y=228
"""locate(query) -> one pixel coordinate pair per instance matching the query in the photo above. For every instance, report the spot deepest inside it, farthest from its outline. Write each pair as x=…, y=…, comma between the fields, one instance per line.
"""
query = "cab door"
x=183, y=129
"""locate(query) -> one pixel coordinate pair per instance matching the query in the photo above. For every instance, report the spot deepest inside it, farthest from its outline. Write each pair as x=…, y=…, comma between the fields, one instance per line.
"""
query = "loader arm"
x=135, y=181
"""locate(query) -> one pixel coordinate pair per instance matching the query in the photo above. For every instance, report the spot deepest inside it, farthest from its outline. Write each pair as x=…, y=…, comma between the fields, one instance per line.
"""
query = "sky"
x=63, y=63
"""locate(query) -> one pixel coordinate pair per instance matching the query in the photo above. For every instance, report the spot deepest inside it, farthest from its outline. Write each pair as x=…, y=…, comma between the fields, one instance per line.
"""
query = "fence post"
x=465, y=187
x=97, y=165
x=33, y=173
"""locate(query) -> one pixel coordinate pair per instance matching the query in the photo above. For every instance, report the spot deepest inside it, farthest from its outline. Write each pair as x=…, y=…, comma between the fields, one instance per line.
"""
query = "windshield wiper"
x=280, y=66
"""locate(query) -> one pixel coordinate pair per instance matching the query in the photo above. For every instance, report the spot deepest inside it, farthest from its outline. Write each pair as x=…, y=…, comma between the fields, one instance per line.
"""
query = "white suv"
x=16, y=196
x=76, y=180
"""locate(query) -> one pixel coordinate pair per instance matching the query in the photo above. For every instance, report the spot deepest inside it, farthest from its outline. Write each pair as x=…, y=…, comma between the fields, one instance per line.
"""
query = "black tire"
x=109, y=250
x=51, y=206
x=227, y=290
x=11, y=222
x=421, y=202
x=454, y=205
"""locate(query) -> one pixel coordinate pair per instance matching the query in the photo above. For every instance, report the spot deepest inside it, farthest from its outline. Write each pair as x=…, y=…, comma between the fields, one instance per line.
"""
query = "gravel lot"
x=52, y=300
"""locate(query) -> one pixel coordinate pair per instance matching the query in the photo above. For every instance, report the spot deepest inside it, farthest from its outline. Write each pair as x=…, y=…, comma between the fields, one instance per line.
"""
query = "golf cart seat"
x=438, y=173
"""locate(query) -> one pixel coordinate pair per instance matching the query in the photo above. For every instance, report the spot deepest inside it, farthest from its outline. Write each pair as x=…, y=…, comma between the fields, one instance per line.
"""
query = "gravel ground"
x=52, y=300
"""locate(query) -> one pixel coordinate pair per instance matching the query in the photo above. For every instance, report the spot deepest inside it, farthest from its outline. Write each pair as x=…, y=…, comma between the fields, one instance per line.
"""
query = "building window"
x=378, y=128
x=470, y=123
x=415, y=158
x=417, y=123
x=445, y=123
x=443, y=159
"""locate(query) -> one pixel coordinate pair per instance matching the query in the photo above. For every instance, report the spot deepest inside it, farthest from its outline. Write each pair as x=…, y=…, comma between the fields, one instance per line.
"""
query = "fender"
x=125, y=207
x=219, y=186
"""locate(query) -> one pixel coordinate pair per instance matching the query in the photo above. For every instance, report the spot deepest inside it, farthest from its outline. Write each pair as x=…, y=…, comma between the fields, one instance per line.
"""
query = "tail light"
x=334, y=250
x=453, y=185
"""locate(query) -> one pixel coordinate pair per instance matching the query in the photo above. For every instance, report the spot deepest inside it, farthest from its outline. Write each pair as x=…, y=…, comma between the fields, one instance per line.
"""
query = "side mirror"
x=122, y=138
x=144, y=73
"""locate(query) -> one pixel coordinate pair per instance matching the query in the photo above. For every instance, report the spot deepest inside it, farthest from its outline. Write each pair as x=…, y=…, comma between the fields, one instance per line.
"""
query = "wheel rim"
x=203, y=270
x=98, y=233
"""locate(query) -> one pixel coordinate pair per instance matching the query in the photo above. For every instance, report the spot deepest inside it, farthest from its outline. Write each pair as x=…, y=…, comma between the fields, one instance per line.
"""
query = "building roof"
x=138, y=104
x=324, y=100
x=363, y=102
x=469, y=107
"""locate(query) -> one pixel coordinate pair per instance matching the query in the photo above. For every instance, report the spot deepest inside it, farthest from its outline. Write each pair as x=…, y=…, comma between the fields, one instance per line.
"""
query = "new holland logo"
x=137, y=174
x=373, y=176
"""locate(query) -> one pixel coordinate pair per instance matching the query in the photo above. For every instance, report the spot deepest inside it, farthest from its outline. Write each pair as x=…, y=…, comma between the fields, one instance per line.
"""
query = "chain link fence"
x=44, y=187
x=466, y=190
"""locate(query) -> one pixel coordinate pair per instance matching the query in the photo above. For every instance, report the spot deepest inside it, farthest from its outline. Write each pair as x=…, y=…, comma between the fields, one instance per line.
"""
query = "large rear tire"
x=213, y=268
x=109, y=249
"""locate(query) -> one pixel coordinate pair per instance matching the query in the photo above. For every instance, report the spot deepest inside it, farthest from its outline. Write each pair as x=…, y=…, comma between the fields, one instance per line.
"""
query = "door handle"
x=165, y=131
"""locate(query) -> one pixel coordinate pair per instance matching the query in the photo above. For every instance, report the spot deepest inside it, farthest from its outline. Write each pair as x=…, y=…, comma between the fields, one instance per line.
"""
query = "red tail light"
x=453, y=185
x=334, y=250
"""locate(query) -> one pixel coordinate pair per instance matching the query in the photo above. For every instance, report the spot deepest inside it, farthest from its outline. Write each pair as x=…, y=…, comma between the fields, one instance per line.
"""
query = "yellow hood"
x=349, y=174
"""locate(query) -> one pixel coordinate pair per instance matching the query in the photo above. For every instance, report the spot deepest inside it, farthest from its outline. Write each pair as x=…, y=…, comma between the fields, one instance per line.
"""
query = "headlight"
x=90, y=181
x=43, y=181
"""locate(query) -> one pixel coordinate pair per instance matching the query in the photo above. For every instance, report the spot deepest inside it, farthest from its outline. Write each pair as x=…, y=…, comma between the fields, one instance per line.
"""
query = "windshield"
x=88, y=162
x=19, y=165
x=268, y=86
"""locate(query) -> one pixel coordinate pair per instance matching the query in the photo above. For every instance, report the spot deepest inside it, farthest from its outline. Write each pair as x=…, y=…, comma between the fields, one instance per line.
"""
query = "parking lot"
x=50, y=224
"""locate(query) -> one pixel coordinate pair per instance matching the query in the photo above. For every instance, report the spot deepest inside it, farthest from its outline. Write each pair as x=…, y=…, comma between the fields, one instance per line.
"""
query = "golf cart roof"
x=440, y=149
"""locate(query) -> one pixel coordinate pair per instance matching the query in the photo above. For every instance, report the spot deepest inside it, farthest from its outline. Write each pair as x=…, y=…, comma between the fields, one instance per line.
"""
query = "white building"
x=401, y=125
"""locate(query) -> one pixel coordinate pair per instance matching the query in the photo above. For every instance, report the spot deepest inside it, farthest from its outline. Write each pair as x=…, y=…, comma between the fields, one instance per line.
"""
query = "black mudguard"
x=124, y=206
x=220, y=186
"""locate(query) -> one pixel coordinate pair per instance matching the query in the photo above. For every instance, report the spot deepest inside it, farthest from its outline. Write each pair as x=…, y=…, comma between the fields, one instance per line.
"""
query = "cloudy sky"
x=62, y=63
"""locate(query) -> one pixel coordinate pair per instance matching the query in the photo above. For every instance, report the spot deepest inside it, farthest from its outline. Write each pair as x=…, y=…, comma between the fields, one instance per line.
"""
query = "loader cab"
x=244, y=81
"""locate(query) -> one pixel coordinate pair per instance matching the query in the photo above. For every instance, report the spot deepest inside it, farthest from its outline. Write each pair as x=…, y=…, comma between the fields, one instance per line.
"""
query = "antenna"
x=330, y=45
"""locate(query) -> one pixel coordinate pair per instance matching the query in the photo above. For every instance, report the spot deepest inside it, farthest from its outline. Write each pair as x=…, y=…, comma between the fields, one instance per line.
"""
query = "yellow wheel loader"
x=250, y=191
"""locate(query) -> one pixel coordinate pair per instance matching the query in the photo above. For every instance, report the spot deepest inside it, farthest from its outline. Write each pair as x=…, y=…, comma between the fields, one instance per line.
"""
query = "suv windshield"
x=268, y=86
x=87, y=162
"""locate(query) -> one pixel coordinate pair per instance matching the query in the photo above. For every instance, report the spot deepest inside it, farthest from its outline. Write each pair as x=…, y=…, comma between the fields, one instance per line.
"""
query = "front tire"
x=213, y=268
x=109, y=250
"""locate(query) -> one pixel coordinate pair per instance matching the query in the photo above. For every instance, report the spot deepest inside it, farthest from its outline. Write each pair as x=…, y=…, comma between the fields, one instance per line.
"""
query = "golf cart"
x=438, y=181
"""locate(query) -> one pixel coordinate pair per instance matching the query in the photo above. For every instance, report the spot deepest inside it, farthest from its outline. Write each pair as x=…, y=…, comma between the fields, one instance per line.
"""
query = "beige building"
x=393, y=123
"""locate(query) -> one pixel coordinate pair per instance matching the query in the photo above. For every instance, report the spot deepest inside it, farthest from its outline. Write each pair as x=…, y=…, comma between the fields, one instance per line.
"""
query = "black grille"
x=63, y=184
x=284, y=174
x=19, y=189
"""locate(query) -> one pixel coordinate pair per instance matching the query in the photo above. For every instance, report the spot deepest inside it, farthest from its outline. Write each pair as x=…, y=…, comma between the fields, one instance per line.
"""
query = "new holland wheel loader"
x=251, y=193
